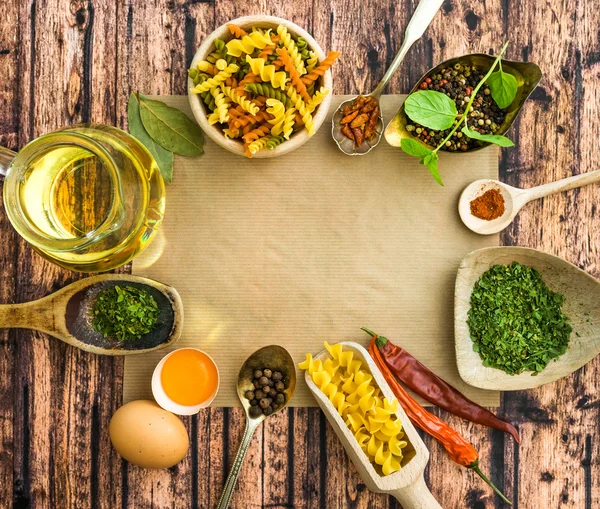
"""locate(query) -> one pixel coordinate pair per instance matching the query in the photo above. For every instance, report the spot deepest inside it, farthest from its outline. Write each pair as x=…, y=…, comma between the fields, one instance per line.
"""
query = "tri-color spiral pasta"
x=254, y=86
x=372, y=418
x=321, y=69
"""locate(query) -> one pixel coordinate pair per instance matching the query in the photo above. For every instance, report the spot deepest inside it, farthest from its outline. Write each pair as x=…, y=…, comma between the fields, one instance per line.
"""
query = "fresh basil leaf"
x=413, y=148
x=163, y=158
x=503, y=87
x=431, y=109
x=171, y=128
x=431, y=161
x=496, y=139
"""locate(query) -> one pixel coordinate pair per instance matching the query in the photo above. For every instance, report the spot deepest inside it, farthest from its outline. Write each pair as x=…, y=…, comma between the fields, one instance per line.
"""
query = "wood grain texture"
x=69, y=61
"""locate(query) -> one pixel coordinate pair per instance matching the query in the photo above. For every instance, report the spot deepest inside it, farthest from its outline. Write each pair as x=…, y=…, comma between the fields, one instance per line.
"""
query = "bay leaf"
x=163, y=158
x=171, y=128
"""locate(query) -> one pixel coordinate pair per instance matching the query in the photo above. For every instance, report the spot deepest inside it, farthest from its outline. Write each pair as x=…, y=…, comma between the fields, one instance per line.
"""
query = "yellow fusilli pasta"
x=216, y=80
x=267, y=72
x=248, y=43
x=222, y=104
x=312, y=61
x=302, y=109
x=232, y=94
x=290, y=46
x=372, y=419
x=277, y=109
x=317, y=99
x=288, y=122
x=259, y=144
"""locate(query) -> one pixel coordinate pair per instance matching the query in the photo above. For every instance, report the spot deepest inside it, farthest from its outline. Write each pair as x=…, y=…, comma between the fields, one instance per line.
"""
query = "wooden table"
x=70, y=61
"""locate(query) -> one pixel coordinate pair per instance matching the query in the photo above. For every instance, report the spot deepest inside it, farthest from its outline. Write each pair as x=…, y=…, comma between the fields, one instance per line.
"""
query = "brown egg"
x=148, y=436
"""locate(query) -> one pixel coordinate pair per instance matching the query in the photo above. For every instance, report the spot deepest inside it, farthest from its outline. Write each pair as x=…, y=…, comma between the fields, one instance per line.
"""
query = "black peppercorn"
x=280, y=386
x=255, y=411
x=268, y=410
x=268, y=373
x=277, y=376
x=280, y=399
x=258, y=373
x=263, y=380
x=264, y=403
x=259, y=394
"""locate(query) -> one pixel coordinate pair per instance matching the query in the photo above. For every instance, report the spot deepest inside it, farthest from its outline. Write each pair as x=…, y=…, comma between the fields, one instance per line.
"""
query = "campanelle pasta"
x=372, y=418
x=241, y=79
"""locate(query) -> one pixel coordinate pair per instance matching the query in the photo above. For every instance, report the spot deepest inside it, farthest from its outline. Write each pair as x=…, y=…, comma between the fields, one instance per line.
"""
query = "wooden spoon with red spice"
x=488, y=206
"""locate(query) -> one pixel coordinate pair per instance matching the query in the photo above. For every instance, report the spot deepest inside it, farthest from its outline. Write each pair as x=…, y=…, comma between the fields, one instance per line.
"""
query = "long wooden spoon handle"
x=27, y=316
x=563, y=185
x=416, y=496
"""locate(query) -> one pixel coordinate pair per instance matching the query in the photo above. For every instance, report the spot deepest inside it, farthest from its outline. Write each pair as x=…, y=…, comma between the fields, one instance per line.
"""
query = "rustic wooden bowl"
x=214, y=132
x=407, y=485
x=528, y=75
x=582, y=306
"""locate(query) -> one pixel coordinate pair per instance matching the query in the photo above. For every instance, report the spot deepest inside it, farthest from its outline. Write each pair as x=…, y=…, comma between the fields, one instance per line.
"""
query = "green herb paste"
x=516, y=322
x=124, y=313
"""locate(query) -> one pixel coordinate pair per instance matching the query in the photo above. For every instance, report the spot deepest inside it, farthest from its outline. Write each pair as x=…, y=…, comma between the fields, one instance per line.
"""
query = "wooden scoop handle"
x=36, y=315
x=416, y=496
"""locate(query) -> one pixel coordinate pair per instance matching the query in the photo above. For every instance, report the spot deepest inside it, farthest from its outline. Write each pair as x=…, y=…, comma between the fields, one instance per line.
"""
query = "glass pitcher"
x=87, y=197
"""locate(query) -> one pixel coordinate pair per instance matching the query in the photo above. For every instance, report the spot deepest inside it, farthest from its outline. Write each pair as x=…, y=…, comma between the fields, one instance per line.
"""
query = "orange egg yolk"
x=189, y=377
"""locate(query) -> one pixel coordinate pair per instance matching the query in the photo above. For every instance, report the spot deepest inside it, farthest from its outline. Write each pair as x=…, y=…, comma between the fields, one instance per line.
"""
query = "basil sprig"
x=435, y=110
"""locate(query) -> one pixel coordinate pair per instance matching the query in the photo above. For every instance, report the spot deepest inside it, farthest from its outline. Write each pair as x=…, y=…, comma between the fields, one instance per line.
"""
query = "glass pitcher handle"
x=6, y=157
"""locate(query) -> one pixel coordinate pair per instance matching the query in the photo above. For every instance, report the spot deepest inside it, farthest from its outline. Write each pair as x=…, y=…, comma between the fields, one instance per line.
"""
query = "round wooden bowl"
x=214, y=132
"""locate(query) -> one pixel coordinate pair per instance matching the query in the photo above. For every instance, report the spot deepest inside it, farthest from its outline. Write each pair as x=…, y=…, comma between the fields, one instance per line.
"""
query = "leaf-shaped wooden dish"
x=582, y=306
x=528, y=75
x=407, y=484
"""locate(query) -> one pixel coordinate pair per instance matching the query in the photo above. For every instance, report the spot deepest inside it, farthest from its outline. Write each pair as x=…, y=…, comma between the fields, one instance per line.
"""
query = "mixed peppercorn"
x=268, y=395
x=458, y=82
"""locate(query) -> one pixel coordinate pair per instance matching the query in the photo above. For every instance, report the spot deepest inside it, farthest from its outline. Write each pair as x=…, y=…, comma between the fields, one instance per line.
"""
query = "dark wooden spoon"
x=65, y=315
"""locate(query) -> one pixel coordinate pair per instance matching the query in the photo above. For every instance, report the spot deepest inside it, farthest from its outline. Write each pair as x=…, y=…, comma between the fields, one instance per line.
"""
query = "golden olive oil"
x=90, y=198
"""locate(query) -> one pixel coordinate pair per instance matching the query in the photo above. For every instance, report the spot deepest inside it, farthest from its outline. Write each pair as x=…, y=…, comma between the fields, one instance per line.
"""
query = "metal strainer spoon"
x=420, y=20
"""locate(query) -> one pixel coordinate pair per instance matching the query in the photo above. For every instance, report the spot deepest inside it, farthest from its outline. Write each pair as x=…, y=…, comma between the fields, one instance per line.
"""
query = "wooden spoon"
x=582, y=306
x=65, y=315
x=407, y=485
x=514, y=199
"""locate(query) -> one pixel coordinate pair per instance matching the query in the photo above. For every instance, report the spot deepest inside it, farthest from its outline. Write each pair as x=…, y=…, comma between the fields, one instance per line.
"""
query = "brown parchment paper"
x=309, y=247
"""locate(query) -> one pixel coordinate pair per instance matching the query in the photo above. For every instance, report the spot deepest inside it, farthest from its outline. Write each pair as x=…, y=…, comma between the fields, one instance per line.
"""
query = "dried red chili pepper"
x=459, y=450
x=431, y=387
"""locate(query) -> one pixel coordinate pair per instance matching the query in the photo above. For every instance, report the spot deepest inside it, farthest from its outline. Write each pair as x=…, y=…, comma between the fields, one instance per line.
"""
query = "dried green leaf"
x=163, y=158
x=171, y=128
x=431, y=109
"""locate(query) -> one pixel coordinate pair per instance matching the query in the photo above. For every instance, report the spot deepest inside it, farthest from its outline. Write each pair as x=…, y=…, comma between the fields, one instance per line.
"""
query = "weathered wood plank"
x=9, y=125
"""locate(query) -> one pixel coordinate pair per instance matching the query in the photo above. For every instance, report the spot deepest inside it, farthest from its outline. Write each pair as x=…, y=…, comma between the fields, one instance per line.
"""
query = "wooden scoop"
x=65, y=315
x=406, y=485
x=582, y=306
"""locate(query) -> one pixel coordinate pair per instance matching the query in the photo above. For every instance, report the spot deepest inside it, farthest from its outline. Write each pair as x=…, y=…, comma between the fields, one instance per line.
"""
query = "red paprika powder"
x=489, y=205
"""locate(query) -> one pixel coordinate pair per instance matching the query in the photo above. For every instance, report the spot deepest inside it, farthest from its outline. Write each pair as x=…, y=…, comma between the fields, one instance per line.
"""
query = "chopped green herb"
x=124, y=313
x=516, y=322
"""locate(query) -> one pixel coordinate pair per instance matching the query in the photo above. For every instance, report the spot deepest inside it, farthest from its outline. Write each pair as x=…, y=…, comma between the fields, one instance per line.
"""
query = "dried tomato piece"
x=359, y=136
x=372, y=124
x=346, y=131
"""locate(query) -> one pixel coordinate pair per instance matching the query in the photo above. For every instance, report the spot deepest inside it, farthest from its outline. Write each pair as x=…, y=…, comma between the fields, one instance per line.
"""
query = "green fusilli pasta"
x=268, y=91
